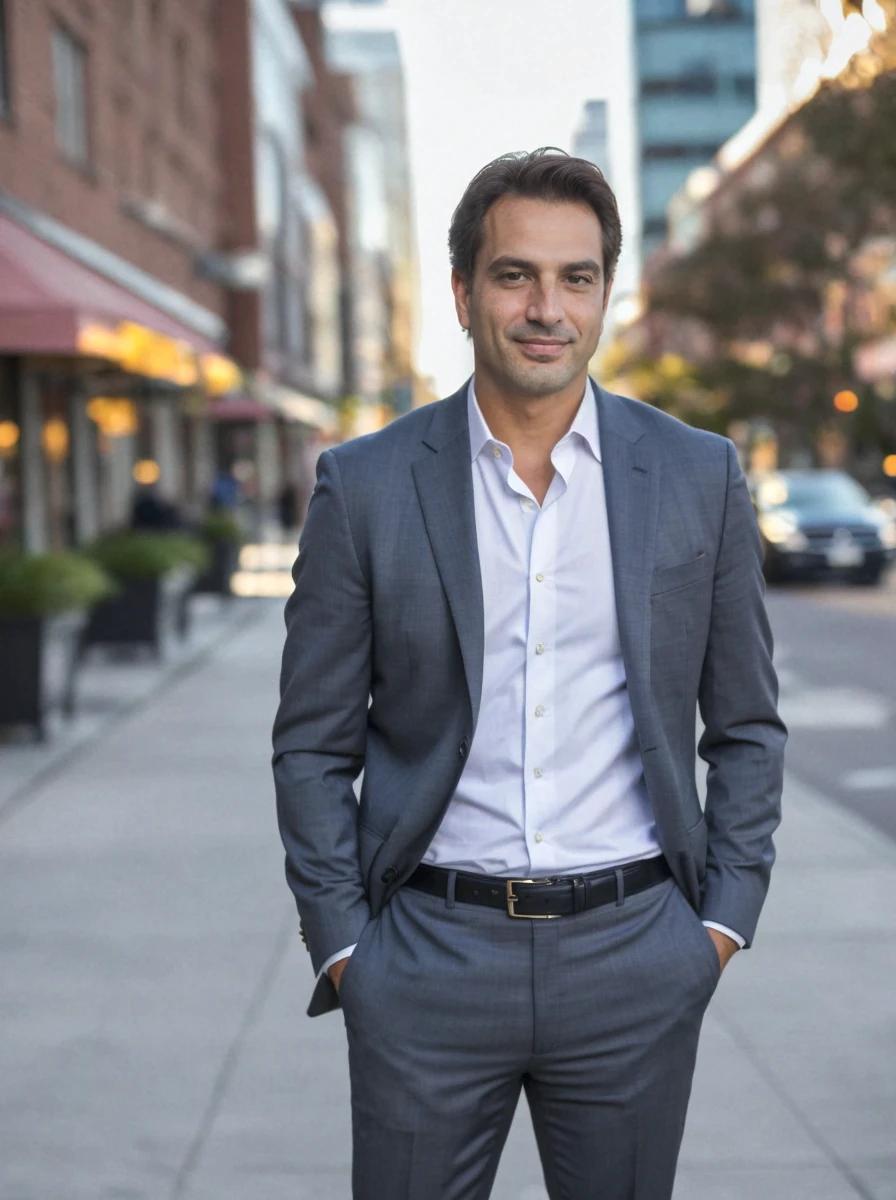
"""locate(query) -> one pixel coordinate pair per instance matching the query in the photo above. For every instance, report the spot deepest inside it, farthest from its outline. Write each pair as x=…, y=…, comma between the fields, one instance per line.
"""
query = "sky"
x=487, y=76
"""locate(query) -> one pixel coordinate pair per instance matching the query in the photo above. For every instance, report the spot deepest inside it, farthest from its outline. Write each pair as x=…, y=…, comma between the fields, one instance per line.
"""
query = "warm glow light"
x=142, y=351
x=846, y=402
x=146, y=471
x=116, y=417
x=54, y=439
x=219, y=374
x=145, y=352
x=99, y=341
x=9, y=436
x=889, y=465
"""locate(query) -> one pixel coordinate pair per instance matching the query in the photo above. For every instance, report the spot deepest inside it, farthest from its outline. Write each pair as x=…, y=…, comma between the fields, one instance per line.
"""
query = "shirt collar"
x=584, y=423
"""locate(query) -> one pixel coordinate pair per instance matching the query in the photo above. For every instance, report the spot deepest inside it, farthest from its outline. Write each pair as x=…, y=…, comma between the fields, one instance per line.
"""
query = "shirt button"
x=539, y=648
x=539, y=711
x=539, y=837
x=496, y=451
x=538, y=772
x=540, y=577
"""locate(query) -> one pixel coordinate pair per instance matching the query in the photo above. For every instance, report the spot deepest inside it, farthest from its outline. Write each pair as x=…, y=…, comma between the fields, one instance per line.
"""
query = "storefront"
x=100, y=391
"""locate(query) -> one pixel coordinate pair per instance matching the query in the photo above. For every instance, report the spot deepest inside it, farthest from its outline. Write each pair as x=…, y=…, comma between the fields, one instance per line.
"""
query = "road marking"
x=870, y=779
x=835, y=708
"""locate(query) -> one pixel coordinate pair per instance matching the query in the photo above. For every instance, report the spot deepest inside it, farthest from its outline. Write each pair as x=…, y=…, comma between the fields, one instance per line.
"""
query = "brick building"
x=110, y=185
x=158, y=226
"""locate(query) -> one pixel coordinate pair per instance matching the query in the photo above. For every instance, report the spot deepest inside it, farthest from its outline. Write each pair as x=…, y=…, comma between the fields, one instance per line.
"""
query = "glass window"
x=55, y=441
x=70, y=79
x=696, y=151
x=685, y=85
x=10, y=458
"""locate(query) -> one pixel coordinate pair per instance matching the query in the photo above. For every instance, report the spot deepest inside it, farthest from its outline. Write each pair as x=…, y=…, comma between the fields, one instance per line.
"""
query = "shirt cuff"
x=730, y=932
x=346, y=953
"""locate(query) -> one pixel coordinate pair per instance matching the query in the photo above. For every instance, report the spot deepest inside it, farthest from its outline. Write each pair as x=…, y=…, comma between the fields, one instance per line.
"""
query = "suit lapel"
x=444, y=481
x=631, y=470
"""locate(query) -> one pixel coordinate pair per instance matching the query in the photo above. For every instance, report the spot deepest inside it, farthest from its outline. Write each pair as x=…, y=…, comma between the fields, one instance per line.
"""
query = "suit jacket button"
x=389, y=875
x=463, y=748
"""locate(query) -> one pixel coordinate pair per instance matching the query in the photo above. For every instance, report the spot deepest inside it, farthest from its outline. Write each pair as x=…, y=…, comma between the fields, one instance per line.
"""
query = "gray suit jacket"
x=382, y=668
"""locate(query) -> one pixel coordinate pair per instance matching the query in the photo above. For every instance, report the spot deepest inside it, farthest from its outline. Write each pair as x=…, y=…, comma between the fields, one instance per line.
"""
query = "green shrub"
x=38, y=585
x=138, y=555
x=221, y=527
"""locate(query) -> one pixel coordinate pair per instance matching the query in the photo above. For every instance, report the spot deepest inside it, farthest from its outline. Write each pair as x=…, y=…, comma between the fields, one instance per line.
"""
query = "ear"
x=608, y=287
x=461, y=299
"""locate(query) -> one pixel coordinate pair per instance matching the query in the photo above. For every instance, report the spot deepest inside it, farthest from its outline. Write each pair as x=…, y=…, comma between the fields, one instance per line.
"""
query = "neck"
x=531, y=425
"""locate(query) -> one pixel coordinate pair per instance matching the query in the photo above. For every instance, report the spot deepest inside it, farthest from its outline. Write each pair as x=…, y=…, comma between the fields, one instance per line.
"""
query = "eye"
x=511, y=276
x=580, y=279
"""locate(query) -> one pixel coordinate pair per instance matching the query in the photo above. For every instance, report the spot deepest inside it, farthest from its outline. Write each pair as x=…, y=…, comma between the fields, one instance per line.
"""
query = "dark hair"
x=544, y=174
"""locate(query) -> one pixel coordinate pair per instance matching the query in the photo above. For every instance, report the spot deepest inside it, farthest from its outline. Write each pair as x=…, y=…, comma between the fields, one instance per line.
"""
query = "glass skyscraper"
x=695, y=72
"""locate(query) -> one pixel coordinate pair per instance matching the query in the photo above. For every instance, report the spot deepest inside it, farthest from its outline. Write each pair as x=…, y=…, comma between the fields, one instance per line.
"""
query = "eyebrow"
x=522, y=264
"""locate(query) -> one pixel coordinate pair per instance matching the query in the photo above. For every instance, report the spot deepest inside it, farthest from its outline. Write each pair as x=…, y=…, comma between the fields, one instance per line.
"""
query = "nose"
x=544, y=306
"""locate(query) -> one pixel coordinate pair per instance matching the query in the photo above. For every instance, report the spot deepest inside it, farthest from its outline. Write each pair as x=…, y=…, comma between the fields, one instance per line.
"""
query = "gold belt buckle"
x=512, y=899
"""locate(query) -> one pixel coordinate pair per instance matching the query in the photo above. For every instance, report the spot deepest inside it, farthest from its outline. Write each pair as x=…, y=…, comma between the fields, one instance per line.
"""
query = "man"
x=533, y=583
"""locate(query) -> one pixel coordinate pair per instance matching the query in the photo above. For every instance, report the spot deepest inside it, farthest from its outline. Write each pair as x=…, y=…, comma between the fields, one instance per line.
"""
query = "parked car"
x=820, y=523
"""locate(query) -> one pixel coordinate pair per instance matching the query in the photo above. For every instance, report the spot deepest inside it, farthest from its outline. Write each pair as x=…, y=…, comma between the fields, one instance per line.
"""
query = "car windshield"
x=812, y=493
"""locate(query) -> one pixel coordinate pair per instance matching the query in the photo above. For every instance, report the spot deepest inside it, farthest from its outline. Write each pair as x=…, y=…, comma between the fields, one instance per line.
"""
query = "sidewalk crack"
x=231, y=1059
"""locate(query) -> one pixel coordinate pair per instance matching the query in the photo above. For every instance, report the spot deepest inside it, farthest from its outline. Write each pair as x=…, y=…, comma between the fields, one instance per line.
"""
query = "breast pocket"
x=679, y=575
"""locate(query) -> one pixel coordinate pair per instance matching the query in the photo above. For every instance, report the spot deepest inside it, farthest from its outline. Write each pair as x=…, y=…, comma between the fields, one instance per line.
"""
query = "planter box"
x=225, y=558
x=147, y=612
x=38, y=658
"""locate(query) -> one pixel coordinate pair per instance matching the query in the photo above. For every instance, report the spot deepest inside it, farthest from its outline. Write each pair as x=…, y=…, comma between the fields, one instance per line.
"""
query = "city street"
x=154, y=986
x=835, y=648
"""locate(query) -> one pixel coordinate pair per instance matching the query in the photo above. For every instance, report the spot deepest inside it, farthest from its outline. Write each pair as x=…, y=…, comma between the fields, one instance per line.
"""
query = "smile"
x=537, y=349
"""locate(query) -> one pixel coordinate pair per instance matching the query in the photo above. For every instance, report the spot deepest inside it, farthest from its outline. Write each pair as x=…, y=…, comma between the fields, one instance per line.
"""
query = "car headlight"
x=888, y=535
x=778, y=527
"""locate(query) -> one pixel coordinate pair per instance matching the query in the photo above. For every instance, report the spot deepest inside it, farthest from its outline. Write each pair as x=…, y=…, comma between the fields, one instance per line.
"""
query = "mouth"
x=544, y=348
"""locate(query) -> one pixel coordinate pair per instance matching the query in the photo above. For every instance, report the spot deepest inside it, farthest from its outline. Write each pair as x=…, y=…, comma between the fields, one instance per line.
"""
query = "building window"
x=686, y=85
x=745, y=87
x=699, y=152
x=10, y=457
x=4, y=63
x=654, y=227
x=70, y=79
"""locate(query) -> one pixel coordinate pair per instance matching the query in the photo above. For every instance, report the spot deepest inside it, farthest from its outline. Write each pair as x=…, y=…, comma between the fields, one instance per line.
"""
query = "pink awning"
x=239, y=406
x=47, y=299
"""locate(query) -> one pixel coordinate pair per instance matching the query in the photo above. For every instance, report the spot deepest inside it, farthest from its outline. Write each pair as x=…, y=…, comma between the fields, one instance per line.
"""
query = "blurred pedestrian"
x=534, y=583
x=151, y=511
x=226, y=491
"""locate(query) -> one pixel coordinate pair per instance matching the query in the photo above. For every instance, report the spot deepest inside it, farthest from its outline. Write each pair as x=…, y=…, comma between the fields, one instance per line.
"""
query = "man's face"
x=535, y=306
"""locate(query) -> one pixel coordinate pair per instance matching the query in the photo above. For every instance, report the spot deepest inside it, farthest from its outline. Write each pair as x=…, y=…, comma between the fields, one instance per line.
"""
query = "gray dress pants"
x=451, y=1008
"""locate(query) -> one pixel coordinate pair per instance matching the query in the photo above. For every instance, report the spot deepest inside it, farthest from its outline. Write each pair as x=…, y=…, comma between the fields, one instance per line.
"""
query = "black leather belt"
x=554, y=896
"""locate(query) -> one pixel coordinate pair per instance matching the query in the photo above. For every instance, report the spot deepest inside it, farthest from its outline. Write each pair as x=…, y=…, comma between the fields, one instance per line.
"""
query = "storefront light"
x=889, y=466
x=146, y=471
x=141, y=351
x=9, y=437
x=55, y=440
x=116, y=416
x=220, y=374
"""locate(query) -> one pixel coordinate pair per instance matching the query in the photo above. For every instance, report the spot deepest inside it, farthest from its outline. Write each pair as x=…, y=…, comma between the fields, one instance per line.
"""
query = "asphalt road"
x=835, y=648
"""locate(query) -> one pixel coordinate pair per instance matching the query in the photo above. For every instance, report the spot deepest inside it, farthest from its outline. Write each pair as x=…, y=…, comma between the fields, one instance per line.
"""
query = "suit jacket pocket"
x=679, y=575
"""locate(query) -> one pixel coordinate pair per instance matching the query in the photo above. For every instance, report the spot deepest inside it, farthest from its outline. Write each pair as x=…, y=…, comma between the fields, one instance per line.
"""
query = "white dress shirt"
x=553, y=783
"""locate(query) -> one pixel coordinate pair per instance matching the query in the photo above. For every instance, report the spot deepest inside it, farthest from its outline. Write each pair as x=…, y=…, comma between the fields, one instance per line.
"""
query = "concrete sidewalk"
x=153, y=986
